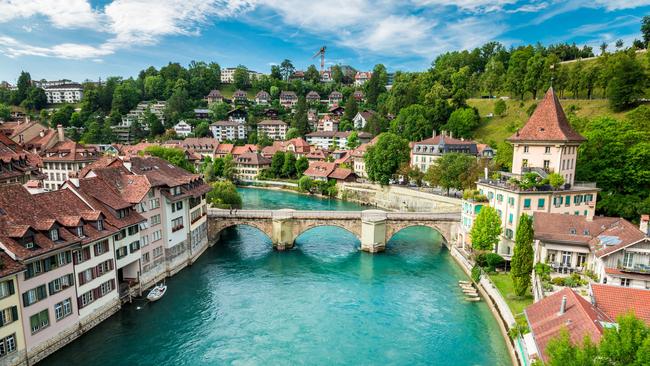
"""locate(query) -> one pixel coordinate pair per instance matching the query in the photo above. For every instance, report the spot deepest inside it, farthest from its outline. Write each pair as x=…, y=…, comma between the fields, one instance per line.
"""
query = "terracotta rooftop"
x=9, y=266
x=547, y=123
x=341, y=173
x=69, y=150
x=320, y=169
x=617, y=300
x=253, y=158
x=580, y=319
x=132, y=188
x=603, y=235
x=161, y=172
x=103, y=197
x=103, y=162
x=272, y=122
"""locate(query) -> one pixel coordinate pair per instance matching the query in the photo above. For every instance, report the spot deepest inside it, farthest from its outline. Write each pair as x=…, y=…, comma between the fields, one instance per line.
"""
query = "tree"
x=289, y=166
x=177, y=105
x=603, y=48
x=301, y=165
x=523, y=255
x=460, y=81
x=36, y=99
x=576, y=78
x=219, y=111
x=23, y=86
x=125, y=97
x=517, y=69
x=645, y=29
x=276, y=73
x=292, y=133
x=376, y=85
x=535, y=70
x=463, y=122
x=153, y=123
x=376, y=125
x=386, y=156
x=277, y=163
x=353, y=140
x=619, y=44
x=500, y=107
x=5, y=112
x=228, y=169
x=492, y=78
x=286, y=69
x=562, y=352
x=337, y=74
x=627, y=80
x=300, y=121
x=486, y=229
x=351, y=109
x=451, y=171
x=555, y=180
x=154, y=87
x=412, y=123
x=173, y=155
x=305, y=184
x=224, y=194
x=241, y=78
x=312, y=74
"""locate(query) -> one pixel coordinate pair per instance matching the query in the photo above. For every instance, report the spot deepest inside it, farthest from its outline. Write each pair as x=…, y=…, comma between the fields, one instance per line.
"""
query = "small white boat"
x=472, y=299
x=157, y=292
x=464, y=282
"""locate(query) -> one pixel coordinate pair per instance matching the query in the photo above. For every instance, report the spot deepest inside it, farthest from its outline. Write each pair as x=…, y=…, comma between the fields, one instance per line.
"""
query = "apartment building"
x=249, y=165
x=12, y=337
x=64, y=93
x=424, y=153
x=228, y=130
x=546, y=144
x=65, y=159
x=275, y=129
x=326, y=139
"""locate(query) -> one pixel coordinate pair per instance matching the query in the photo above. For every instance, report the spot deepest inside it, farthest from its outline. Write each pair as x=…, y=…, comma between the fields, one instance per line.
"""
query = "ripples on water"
x=322, y=303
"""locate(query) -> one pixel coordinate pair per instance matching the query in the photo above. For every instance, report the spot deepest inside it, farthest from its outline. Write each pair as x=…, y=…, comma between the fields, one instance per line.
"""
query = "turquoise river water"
x=322, y=303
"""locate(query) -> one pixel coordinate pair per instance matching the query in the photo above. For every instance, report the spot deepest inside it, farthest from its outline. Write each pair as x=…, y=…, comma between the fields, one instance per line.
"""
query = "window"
x=567, y=201
x=61, y=283
x=510, y=218
x=106, y=287
x=134, y=246
x=589, y=198
x=144, y=240
x=100, y=224
x=8, y=315
x=625, y=282
x=63, y=309
x=577, y=199
x=177, y=224
x=157, y=252
x=526, y=203
x=157, y=235
x=566, y=259
x=82, y=255
x=85, y=299
x=7, y=288
x=547, y=150
x=39, y=321
x=550, y=258
x=101, y=247
x=628, y=259
x=525, y=148
x=582, y=259
x=547, y=165
x=54, y=234
x=121, y=252
x=146, y=257
x=7, y=344
x=541, y=202
x=34, y=295
x=155, y=220
x=80, y=231
x=132, y=230
x=500, y=197
x=154, y=203
x=511, y=201
x=509, y=233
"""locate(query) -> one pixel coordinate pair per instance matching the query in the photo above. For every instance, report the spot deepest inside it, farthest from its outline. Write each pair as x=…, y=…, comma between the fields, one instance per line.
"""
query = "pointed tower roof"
x=548, y=123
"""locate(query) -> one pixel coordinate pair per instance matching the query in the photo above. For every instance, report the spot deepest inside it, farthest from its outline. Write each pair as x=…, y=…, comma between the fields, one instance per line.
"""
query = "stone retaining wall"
x=397, y=198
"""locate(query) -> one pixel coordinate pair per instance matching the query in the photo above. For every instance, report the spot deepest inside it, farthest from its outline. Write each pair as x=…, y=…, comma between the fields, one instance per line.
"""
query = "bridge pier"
x=282, y=230
x=373, y=231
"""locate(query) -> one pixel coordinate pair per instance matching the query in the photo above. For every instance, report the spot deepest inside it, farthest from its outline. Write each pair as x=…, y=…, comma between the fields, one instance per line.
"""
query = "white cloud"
x=62, y=14
x=620, y=4
x=471, y=5
x=14, y=48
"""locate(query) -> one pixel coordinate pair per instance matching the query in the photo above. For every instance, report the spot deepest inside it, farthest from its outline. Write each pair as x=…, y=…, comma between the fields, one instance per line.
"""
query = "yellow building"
x=12, y=340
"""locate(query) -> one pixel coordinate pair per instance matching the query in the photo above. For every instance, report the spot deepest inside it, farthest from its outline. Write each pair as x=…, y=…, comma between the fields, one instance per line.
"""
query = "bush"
x=543, y=270
x=224, y=194
x=500, y=107
x=476, y=273
x=570, y=281
x=305, y=184
x=489, y=261
x=558, y=281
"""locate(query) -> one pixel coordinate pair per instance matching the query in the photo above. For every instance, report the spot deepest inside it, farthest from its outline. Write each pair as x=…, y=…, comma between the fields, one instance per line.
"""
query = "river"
x=322, y=303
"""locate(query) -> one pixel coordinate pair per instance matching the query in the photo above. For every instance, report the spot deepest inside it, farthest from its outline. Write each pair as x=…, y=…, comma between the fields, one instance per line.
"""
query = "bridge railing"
x=297, y=214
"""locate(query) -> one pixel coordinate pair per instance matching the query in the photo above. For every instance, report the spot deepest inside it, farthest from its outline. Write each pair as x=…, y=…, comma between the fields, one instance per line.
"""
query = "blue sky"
x=79, y=39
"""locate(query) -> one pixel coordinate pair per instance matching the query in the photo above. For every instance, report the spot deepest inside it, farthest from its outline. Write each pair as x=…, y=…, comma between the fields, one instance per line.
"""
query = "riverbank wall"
x=397, y=198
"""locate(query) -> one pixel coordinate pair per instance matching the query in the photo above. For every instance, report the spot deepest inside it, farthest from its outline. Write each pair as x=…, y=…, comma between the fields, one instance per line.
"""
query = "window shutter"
x=71, y=279
x=81, y=278
x=68, y=256
x=110, y=264
x=112, y=284
x=14, y=313
x=25, y=299
x=79, y=303
x=95, y=247
x=46, y=265
x=51, y=287
x=10, y=285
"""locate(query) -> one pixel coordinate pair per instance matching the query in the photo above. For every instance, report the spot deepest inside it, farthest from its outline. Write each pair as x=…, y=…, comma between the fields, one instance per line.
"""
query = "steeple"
x=547, y=123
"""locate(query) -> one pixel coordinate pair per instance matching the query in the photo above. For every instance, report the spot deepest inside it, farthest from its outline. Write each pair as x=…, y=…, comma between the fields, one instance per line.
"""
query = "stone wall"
x=396, y=198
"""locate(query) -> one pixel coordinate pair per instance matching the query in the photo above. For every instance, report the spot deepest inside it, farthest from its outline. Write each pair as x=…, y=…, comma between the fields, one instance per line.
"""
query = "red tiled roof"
x=580, y=319
x=320, y=169
x=547, y=123
x=341, y=174
x=103, y=162
x=617, y=300
x=69, y=150
x=9, y=266
x=253, y=158
x=238, y=150
x=132, y=188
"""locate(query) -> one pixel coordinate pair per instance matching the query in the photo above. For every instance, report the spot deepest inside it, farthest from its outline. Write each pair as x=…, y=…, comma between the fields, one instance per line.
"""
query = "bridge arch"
x=352, y=227
x=216, y=228
x=443, y=229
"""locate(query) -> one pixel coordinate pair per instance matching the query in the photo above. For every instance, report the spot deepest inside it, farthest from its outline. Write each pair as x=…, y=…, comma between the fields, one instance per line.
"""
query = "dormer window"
x=572, y=231
x=100, y=224
x=80, y=231
x=54, y=234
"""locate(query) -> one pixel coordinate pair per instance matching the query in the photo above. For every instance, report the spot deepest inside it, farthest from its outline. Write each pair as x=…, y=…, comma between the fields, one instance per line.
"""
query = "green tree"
x=353, y=140
x=463, y=122
x=301, y=165
x=337, y=74
x=300, y=121
x=376, y=85
x=645, y=30
x=523, y=255
x=627, y=80
x=517, y=69
x=5, y=112
x=351, y=109
x=153, y=123
x=228, y=168
x=36, y=99
x=23, y=86
x=535, y=71
x=452, y=170
x=500, y=107
x=154, y=87
x=492, y=78
x=486, y=229
x=305, y=184
x=219, y=111
x=287, y=69
x=562, y=352
x=173, y=155
x=312, y=74
x=125, y=97
x=241, y=78
x=460, y=81
x=277, y=163
x=412, y=123
x=276, y=73
x=177, y=105
x=386, y=156
x=376, y=125
x=292, y=133
x=289, y=166
x=224, y=194
x=555, y=180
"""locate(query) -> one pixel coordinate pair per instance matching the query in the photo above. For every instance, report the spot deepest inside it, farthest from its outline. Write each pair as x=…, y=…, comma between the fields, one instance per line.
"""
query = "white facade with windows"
x=64, y=93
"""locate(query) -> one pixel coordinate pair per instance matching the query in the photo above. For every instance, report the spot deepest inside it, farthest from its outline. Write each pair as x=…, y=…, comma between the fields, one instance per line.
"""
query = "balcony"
x=635, y=268
x=513, y=182
x=176, y=228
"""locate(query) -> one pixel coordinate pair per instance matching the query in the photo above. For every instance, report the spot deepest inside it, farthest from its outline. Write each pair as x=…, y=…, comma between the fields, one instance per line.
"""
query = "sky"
x=83, y=39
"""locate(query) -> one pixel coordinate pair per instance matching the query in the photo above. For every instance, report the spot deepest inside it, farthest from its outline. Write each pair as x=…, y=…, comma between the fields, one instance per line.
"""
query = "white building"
x=64, y=93
x=362, y=77
x=228, y=130
x=273, y=128
x=228, y=75
x=183, y=128
x=326, y=139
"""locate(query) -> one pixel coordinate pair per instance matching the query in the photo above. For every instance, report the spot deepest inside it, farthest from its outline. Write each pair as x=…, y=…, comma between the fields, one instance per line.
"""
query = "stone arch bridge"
x=373, y=228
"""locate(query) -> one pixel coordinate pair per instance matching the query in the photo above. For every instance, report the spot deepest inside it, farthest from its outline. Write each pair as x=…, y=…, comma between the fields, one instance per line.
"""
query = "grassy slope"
x=503, y=282
x=497, y=129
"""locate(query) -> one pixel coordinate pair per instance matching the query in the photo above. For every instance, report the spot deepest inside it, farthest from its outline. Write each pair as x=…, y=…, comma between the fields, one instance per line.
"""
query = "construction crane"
x=321, y=52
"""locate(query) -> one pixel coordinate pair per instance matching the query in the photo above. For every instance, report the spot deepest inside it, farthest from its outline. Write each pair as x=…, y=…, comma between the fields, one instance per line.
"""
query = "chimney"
x=563, y=305
x=434, y=133
x=41, y=133
x=643, y=225
x=451, y=134
x=486, y=173
x=59, y=130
